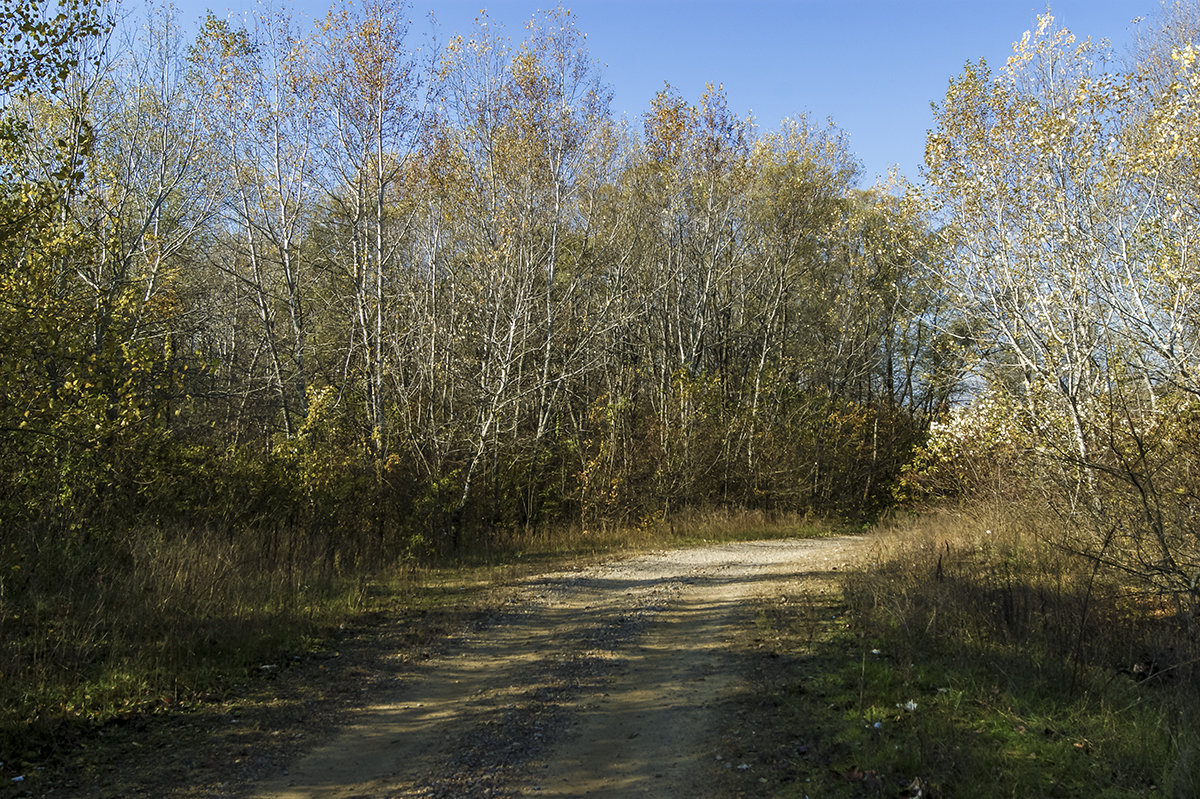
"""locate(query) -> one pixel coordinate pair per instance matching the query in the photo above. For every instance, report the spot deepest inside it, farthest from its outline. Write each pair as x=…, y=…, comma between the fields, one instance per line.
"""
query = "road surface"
x=610, y=681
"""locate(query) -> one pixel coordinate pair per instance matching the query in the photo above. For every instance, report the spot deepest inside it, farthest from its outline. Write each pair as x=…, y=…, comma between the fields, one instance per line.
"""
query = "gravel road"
x=608, y=681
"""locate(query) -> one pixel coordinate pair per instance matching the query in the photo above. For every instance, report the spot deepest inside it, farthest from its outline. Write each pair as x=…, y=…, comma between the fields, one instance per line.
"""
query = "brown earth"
x=623, y=679
x=611, y=681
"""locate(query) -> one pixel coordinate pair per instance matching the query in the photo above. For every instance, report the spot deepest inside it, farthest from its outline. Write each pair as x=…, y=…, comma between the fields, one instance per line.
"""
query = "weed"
x=974, y=658
x=167, y=622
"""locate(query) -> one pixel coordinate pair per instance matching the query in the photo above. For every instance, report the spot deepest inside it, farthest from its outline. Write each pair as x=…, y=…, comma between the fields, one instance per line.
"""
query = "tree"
x=366, y=88
x=87, y=316
x=255, y=96
x=1066, y=195
x=1018, y=169
x=524, y=140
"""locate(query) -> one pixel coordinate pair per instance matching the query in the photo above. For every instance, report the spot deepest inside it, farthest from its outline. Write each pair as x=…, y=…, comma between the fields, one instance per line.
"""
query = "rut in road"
x=607, y=681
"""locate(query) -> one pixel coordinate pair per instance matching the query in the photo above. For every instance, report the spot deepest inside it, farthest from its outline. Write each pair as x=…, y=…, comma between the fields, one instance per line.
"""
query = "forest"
x=269, y=281
x=286, y=306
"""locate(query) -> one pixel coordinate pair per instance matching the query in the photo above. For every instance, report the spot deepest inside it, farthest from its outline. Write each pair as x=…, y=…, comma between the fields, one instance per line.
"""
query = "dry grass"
x=978, y=657
x=156, y=623
x=996, y=577
x=687, y=527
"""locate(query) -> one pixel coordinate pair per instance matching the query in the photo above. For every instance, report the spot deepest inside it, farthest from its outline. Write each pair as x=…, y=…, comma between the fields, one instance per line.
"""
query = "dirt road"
x=609, y=681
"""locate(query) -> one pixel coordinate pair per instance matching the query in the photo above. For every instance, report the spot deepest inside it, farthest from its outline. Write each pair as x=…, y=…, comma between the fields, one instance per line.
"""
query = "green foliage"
x=40, y=41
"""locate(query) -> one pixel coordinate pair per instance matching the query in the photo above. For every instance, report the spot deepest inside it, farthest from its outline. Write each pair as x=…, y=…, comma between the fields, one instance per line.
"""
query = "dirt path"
x=608, y=681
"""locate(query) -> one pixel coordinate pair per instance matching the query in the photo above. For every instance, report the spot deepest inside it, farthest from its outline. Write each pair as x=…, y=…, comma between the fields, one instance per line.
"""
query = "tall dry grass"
x=990, y=599
x=152, y=621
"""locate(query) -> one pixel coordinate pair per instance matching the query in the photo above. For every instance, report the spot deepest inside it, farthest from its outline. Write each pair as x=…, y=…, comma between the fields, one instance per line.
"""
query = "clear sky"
x=872, y=66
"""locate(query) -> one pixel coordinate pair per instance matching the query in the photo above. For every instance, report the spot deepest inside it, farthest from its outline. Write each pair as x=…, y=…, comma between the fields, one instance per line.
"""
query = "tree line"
x=1064, y=186
x=329, y=292
x=273, y=279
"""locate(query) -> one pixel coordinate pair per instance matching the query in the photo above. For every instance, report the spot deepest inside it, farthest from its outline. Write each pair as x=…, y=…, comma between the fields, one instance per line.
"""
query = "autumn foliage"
x=318, y=302
x=307, y=281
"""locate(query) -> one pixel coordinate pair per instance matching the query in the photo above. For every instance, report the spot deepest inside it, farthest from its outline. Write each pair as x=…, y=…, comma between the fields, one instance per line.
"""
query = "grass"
x=176, y=624
x=167, y=624
x=686, y=528
x=972, y=658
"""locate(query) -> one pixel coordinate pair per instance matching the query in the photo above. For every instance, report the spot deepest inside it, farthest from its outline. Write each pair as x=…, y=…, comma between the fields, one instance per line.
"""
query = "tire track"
x=603, y=682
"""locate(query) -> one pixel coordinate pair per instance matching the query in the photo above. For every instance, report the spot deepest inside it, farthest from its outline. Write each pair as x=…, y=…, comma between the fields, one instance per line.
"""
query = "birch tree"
x=526, y=130
x=1068, y=196
x=256, y=99
x=367, y=89
x=1018, y=167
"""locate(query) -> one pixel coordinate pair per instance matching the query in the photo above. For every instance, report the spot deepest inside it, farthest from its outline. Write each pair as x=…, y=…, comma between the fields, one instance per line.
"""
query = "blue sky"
x=873, y=66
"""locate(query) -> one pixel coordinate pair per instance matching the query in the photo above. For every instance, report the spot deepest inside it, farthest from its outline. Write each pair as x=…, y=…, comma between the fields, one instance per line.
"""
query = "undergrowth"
x=162, y=624
x=975, y=658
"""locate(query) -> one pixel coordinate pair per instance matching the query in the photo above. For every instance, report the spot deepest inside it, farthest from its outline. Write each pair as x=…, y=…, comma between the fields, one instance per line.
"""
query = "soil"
x=622, y=679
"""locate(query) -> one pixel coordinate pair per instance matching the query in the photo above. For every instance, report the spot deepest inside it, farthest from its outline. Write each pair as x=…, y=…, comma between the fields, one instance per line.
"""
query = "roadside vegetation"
x=291, y=318
x=970, y=655
x=1033, y=631
x=193, y=631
